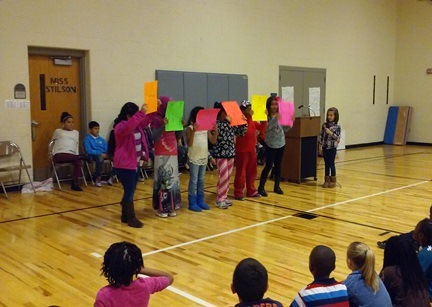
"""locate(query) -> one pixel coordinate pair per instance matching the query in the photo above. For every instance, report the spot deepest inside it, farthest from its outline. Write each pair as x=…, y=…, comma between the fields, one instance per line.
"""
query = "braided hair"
x=121, y=262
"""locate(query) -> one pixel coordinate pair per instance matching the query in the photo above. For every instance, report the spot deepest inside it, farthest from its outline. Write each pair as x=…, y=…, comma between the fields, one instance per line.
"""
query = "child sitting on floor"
x=250, y=282
x=123, y=261
x=323, y=291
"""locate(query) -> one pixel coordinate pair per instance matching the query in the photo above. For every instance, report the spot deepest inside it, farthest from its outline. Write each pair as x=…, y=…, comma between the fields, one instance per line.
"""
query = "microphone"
x=300, y=106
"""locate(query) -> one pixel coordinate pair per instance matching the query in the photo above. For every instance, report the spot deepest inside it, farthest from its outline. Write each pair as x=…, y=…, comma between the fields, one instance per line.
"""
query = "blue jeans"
x=329, y=155
x=99, y=163
x=128, y=179
x=196, y=181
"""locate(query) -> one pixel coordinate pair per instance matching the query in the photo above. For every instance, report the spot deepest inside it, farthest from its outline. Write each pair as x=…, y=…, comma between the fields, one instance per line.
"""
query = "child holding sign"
x=246, y=158
x=224, y=152
x=197, y=142
x=166, y=188
x=275, y=146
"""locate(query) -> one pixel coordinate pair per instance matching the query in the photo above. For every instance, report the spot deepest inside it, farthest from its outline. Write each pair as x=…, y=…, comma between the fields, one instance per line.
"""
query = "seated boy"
x=323, y=291
x=250, y=282
x=96, y=147
x=409, y=236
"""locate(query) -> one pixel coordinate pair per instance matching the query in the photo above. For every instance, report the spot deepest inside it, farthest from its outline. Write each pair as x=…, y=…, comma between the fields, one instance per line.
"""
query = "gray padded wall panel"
x=170, y=83
x=217, y=88
x=195, y=91
x=201, y=89
x=238, y=87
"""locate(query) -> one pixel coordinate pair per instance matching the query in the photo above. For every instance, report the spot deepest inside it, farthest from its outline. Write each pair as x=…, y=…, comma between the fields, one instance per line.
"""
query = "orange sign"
x=150, y=96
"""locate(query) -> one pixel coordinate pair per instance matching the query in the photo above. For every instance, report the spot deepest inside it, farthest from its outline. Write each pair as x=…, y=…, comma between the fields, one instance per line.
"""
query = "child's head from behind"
x=67, y=121
x=161, y=110
x=423, y=232
x=322, y=261
x=332, y=115
x=193, y=115
x=250, y=280
x=127, y=111
x=360, y=257
x=94, y=128
x=122, y=261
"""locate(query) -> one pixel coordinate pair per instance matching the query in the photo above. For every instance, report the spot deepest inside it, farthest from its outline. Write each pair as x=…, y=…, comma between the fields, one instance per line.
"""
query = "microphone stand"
x=310, y=109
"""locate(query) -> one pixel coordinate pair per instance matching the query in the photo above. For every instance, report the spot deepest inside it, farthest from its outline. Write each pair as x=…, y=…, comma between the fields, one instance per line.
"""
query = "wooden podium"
x=301, y=152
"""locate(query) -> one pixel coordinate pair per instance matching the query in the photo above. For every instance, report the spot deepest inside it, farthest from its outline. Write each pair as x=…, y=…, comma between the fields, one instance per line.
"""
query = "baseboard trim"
x=364, y=145
x=419, y=143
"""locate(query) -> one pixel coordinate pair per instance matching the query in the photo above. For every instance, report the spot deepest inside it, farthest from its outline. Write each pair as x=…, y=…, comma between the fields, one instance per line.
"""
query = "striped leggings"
x=225, y=168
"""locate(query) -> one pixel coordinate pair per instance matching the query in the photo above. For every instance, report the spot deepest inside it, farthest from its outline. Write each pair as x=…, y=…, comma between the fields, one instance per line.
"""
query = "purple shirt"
x=136, y=294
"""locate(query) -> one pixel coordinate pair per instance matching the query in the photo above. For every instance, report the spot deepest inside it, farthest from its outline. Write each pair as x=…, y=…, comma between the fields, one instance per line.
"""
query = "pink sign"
x=206, y=119
x=286, y=111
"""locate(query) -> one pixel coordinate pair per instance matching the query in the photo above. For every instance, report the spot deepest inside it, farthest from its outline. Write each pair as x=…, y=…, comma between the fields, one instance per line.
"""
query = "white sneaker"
x=98, y=182
x=172, y=214
x=161, y=214
x=221, y=205
x=228, y=202
x=110, y=181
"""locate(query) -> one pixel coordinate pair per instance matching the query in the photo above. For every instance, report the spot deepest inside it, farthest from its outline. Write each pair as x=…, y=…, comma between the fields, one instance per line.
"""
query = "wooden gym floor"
x=51, y=243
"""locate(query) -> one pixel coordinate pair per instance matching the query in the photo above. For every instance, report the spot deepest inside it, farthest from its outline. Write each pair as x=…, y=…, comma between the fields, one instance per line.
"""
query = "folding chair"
x=7, y=152
x=54, y=166
x=106, y=160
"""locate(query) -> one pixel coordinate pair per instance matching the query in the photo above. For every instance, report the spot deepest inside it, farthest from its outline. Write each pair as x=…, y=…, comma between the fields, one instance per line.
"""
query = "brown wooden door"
x=53, y=90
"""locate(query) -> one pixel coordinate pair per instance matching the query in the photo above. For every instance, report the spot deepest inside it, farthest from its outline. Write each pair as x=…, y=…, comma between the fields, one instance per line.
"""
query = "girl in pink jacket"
x=130, y=147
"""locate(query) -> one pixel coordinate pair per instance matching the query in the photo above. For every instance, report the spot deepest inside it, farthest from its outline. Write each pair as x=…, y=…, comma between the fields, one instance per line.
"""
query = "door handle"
x=34, y=124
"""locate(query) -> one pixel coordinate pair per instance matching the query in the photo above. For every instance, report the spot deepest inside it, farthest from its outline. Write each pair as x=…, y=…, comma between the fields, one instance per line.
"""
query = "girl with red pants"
x=246, y=158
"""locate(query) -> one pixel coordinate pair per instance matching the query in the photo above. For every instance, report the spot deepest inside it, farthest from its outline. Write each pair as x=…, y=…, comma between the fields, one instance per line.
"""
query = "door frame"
x=308, y=69
x=83, y=56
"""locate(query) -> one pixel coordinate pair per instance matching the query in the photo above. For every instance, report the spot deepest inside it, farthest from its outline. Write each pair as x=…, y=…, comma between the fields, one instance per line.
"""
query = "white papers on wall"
x=288, y=93
x=17, y=104
x=314, y=100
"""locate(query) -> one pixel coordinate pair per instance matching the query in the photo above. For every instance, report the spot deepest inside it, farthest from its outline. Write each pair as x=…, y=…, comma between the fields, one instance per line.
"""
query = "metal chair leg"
x=4, y=190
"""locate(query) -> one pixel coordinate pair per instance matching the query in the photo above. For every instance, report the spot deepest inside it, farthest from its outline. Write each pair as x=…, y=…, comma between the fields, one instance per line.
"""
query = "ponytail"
x=364, y=259
x=368, y=270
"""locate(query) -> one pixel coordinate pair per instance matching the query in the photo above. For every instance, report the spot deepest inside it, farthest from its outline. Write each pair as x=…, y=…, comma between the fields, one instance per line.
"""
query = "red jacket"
x=247, y=142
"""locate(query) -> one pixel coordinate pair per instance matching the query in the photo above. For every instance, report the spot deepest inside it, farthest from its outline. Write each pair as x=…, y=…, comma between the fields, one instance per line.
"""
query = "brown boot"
x=132, y=221
x=326, y=182
x=332, y=182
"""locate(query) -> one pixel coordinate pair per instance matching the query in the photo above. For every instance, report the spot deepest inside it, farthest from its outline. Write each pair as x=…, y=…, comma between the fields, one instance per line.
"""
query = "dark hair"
x=322, y=261
x=269, y=102
x=193, y=115
x=250, y=280
x=64, y=116
x=336, y=114
x=129, y=108
x=425, y=227
x=122, y=261
x=399, y=252
x=93, y=124
x=218, y=105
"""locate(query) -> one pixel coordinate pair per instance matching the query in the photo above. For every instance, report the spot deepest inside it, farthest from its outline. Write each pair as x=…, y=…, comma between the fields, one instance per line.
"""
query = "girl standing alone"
x=328, y=142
